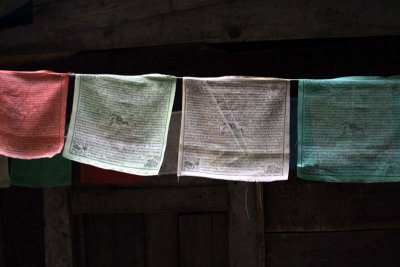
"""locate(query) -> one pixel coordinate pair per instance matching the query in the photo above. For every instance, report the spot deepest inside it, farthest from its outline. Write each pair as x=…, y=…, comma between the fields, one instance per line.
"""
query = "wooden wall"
x=158, y=226
x=321, y=224
x=21, y=228
x=305, y=223
x=53, y=27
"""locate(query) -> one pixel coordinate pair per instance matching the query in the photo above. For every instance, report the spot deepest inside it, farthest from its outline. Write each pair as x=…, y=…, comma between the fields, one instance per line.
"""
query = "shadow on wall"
x=15, y=13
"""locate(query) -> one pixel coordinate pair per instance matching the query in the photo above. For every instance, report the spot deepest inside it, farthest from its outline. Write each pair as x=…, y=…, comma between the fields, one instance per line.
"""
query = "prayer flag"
x=32, y=113
x=349, y=130
x=41, y=172
x=92, y=175
x=235, y=128
x=4, y=176
x=121, y=122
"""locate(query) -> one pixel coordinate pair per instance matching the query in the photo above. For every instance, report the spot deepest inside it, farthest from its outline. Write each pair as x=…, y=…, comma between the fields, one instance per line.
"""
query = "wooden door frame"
x=242, y=200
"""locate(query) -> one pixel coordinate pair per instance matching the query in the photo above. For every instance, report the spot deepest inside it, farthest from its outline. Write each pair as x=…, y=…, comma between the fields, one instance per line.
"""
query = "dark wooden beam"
x=144, y=200
x=345, y=249
x=299, y=206
x=62, y=26
x=244, y=230
x=326, y=58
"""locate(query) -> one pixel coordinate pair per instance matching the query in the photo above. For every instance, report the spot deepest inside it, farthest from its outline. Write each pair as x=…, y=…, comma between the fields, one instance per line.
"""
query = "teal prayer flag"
x=349, y=130
x=48, y=172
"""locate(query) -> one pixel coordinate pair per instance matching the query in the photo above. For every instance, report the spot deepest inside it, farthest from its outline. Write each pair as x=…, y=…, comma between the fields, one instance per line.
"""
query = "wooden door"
x=204, y=224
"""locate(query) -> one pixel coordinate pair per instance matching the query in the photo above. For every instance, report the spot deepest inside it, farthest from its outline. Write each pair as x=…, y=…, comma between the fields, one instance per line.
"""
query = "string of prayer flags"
x=232, y=128
x=235, y=128
x=32, y=113
x=349, y=130
x=4, y=176
x=121, y=122
x=41, y=173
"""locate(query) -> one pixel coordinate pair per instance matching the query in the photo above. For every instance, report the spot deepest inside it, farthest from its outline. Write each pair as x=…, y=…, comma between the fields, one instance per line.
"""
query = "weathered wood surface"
x=195, y=241
x=244, y=233
x=22, y=226
x=79, y=238
x=9, y=6
x=115, y=240
x=260, y=223
x=61, y=26
x=57, y=230
x=305, y=206
x=167, y=180
x=204, y=240
x=220, y=241
x=162, y=248
x=344, y=249
x=100, y=240
x=287, y=59
x=196, y=199
x=156, y=239
x=2, y=259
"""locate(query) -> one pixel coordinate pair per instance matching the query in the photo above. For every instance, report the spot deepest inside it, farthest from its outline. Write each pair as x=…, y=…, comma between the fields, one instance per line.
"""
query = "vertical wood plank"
x=23, y=226
x=195, y=240
x=129, y=240
x=115, y=240
x=220, y=234
x=162, y=240
x=80, y=241
x=2, y=260
x=243, y=229
x=260, y=224
x=57, y=231
x=374, y=248
x=100, y=242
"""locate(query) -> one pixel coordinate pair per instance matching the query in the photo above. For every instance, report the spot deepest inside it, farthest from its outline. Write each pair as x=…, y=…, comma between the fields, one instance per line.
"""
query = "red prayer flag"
x=93, y=175
x=32, y=113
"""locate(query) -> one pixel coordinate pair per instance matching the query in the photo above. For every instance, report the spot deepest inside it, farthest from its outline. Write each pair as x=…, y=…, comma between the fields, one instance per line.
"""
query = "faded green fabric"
x=349, y=129
x=4, y=176
x=121, y=122
x=49, y=172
